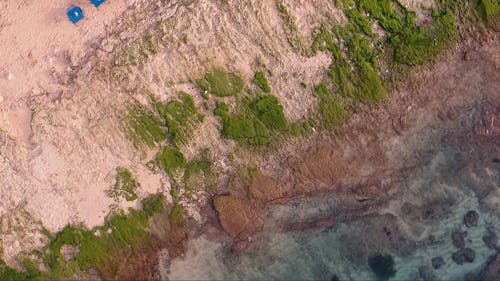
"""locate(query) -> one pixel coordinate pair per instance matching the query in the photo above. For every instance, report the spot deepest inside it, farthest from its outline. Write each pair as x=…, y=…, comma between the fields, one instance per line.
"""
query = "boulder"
x=368, y=192
x=238, y=218
x=437, y=262
x=335, y=278
x=471, y=218
x=465, y=255
x=239, y=246
x=491, y=240
x=382, y=265
x=426, y=273
x=458, y=239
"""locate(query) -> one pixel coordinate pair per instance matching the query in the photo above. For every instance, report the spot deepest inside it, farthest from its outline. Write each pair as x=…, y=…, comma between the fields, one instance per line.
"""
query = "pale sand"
x=51, y=166
x=37, y=39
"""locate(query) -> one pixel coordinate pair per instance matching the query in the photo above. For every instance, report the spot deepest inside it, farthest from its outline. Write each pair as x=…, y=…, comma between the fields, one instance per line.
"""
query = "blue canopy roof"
x=75, y=14
x=97, y=3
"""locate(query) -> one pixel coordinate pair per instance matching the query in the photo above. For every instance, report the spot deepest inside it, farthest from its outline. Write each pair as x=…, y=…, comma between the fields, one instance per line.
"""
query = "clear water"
x=448, y=174
x=318, y=254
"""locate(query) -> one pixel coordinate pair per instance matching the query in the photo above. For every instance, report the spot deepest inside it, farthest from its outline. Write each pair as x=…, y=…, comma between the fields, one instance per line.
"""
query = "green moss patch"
x=97, y=247
x=198, y=174
x=410, y=44
x=260, y=80
x=144, y=127
x=255, y=121
x=125, y=185
x=416, y=45
x=383, y=11
x=489, y=10
x=357, y=80
x=31, y=272
x=180, y=117
x=221, y=83
x=177, y=216
x=170, y=160
x=173, y=121
x=330, y=111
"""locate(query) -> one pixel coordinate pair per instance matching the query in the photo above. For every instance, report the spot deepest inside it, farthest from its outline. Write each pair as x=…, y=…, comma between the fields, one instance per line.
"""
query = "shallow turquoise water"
x=318, y=254
x=449, y=178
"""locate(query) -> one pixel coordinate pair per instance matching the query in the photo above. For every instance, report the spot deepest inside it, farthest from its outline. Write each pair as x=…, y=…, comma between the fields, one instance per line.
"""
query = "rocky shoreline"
x=363, y=173
x=399, y=177
x=358, y=164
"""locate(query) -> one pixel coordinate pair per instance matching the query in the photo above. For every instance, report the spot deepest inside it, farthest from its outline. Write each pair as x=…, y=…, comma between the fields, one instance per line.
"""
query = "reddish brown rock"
x=465, y=255
x=237, y=216
x=262, y=188
x=239, y=246
x=367, y=192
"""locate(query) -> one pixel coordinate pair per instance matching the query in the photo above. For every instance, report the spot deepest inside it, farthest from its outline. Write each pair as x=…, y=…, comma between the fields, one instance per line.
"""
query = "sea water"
x=447, y=175
x=319, y=254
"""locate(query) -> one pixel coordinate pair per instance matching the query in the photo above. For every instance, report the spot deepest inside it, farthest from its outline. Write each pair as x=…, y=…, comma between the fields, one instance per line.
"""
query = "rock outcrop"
x=465, y=255
x=238, y=218
x=263, y=189
x=471, y=218
x=458, y=239
x=437, y=262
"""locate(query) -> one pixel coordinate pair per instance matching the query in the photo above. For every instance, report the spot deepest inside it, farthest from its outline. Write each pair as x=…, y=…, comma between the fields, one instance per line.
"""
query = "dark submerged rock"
x=382, y=265
x=426, y=273
x=406, y=208
x=471, y=218
x=437, y=262
x=458, y=238
x=466, y=255
x=431, y=239
x=335, y=278
x=436, y=210
x=491, y=240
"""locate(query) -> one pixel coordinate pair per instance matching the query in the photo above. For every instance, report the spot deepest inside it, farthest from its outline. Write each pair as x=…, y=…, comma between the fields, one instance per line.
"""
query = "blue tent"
x=98, y=3
x=75, y=14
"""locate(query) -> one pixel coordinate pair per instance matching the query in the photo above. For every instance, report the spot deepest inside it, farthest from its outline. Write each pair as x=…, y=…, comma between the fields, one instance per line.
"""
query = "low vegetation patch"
x=255, y=121
x=416, y=45
x=354, y=74
x=170, y=160
x=144, y=127
x=140, y=51
x=330, y=111
x=176, y=216
x=221, y=83
x=97, y=247
x=489, y=10
x=260, y=80
x=180, y=117
x=291, y=29
x=198, y=173
x=173, y=121
x=31, y=272
x=125, y=185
